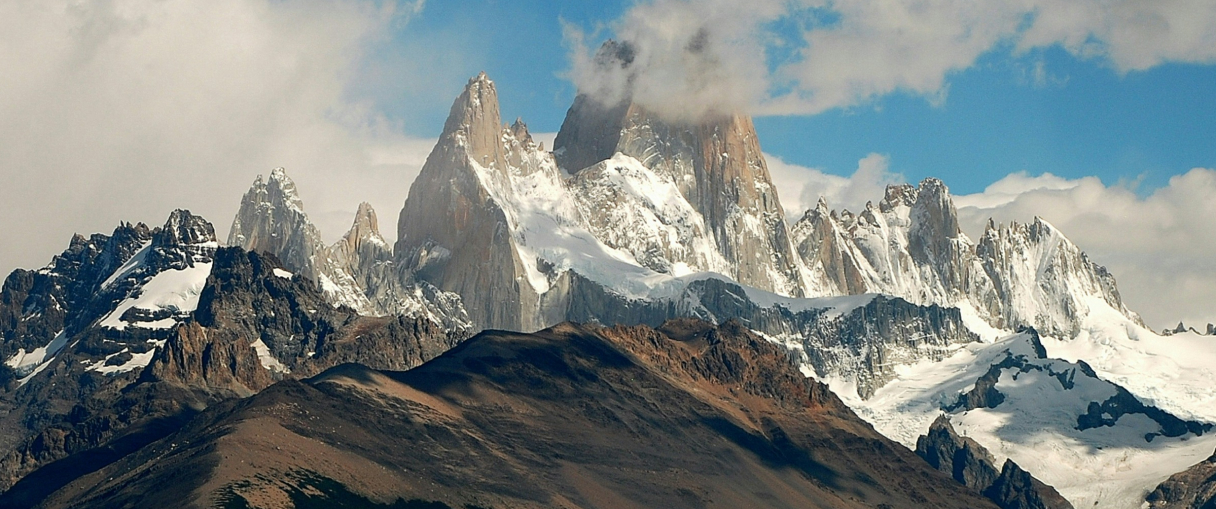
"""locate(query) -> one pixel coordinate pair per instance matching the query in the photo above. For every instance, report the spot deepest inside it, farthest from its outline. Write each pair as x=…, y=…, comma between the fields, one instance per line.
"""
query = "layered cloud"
x=691, y=58
x=124, y=110
x=1159, y=246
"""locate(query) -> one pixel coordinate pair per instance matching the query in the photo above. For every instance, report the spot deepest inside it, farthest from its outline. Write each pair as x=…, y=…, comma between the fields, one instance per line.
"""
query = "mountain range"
x=676, y=343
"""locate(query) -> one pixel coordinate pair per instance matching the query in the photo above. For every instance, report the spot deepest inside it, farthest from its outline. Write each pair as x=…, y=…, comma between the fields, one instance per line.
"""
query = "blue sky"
x=1080, y=117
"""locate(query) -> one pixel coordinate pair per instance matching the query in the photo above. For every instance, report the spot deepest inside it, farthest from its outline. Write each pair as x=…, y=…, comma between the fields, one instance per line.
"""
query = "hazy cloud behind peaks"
x=124, y=110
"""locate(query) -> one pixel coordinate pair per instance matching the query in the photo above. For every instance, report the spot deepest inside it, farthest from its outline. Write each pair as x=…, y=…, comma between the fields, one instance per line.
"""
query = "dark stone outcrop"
x=1098, y=413
x=1193, y=488
x=969, y=463
x=245, y=301
x=863, y=343
x=1017, y=489
x=1108, y=412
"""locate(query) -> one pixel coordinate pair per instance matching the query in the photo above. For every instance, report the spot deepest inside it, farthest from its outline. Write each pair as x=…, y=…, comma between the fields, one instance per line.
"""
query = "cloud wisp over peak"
x=688, y=59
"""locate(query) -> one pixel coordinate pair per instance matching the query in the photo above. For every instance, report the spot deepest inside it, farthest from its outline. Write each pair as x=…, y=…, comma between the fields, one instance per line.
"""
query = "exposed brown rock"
x=214, y=359
x=973, y=466
x=1193, y=488
x=570, y=417
x=452, y=233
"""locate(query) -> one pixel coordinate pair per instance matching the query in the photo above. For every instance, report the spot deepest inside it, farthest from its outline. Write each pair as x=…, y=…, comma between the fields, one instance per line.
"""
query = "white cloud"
x=683, y=59
x=1014, y=185
x=123, y=110
x=691, y=58
x=1158, y=247
x=868, y=183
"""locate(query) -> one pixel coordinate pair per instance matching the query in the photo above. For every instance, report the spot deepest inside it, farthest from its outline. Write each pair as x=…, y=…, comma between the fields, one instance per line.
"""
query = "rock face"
x=690, y=415
x=644, y=206
x=254, y=326
x=79, y=330
x=857, y=339
x=972, y=465
x=910, y=245
x=358, y=271
x=1194, y=488
x=271, y=219
x=1044, y=280
x=632, y=208
x=454, y=232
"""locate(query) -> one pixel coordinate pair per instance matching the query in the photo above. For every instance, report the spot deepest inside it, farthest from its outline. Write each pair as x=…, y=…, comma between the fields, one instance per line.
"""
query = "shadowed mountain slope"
x=688, y=415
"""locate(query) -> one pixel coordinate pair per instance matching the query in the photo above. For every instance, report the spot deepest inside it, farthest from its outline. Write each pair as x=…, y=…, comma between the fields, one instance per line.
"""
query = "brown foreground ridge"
x=689, y=415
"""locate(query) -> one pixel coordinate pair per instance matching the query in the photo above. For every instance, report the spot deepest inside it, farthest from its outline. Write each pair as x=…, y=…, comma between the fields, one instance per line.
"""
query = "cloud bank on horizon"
x=123, y=111
x=690, y=58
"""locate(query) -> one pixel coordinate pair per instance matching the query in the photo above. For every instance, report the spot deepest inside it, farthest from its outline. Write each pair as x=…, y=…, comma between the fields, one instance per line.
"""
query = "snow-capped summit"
x=717, y=167
x=1043, y=279
x=911, y=246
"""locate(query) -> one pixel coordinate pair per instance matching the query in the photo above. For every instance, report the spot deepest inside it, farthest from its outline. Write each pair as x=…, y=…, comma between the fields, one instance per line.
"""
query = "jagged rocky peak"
x=184, y=240
x=271, y=219
x=935, y=239
x=820, y=239
x=1044, y=279
x=184, y=228
x=456, y=228
x=911, y=246
x=366, y=228
x=475, y=123
x=969, y=463
x=357, y=271
x=964, y=459
x=360, y=249
x=934, y=210
x=525, y=156
x=519, y=130
x=898, y=195
x=264, y=197
x=283, y=190
x=1183, y=328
